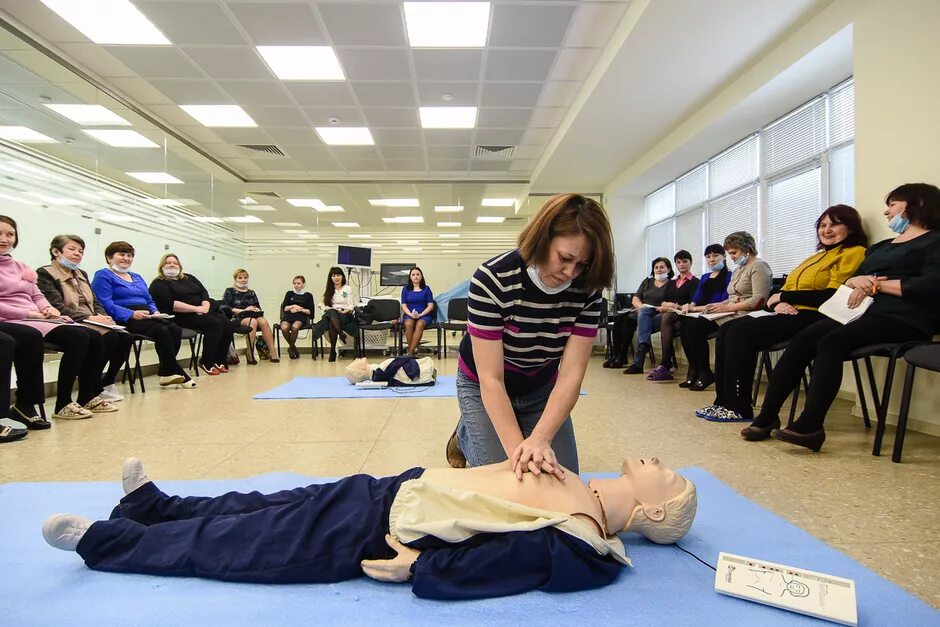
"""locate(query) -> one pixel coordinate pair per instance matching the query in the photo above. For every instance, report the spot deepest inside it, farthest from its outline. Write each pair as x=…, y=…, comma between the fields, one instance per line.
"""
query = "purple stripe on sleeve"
x=484, y=334
x=580, y=331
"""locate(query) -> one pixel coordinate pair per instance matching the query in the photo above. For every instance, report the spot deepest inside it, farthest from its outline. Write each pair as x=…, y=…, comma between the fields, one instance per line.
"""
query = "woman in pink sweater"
x=21, y=303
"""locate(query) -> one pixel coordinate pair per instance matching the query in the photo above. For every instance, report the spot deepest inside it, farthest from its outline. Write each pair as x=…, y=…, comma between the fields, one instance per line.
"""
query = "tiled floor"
x=883, y=514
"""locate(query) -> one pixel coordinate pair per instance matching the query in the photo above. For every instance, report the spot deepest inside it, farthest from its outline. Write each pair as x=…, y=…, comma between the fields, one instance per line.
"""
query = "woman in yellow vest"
x=840, y=245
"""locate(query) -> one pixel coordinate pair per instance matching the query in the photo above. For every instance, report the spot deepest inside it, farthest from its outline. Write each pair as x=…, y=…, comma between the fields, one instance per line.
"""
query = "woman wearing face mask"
x=296, y=309
x=417, y=304
x=21, y=303
x=645, y=317
x=748, y=289
x=246, y=308
x=680, y=292
x=530, y=307
x=900, y=274
x=337, y=308
x=125, y=297
x=65, y=285
x=840, y=245
x=184, y=296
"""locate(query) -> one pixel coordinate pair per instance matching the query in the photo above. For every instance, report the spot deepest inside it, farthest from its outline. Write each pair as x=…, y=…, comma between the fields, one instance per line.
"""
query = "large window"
x=773, y=184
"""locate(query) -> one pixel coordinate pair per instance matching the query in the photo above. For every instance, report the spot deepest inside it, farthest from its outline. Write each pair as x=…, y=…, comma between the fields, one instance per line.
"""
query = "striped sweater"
x=505, y=305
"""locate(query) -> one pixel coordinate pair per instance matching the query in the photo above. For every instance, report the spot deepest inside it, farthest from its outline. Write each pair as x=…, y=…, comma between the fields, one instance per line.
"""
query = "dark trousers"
x=316, y=534
x=166, y=337
x=217, y=333
x=738, y=344
x=668, y=328
x=82, y=359
x=693, y=333
x=622, y=335
x=28, y=355
x=827, y=344
x=116, y=347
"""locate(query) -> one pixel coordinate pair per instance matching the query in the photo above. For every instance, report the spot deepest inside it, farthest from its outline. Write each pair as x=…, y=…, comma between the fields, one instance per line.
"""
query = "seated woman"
x=679, y=293
x=337, y=308
x=65, y=285
x=417, y=305
x=246, y=309
x=21, y=303
x=840, y=242
x=540, y=533
x=900, y=274
x=296, y=309
x=646, y=319
x=184, y=296
x=125, y=297
x=748, y=290
x=21, y=346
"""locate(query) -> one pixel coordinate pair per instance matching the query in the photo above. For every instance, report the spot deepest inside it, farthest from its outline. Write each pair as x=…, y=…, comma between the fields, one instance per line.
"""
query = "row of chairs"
x=387, y=314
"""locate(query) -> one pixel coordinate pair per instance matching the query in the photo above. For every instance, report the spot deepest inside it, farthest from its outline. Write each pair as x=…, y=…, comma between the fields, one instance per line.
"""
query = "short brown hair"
x=923, y=203
x=117, y=247
x=61, y=240
x=182, y=275
x=16, y=229
x=239, y=271
x=743, y=241
x=568, y=215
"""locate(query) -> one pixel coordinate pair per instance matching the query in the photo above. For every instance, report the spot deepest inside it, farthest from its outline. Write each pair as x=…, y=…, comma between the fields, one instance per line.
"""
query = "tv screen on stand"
x=394, y=274
x=354, y=257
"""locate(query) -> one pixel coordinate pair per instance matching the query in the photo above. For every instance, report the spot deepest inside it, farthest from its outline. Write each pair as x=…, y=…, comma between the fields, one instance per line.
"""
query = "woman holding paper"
x=748, y=289
x=840, y=246
x=901, y=276
x=645, y=316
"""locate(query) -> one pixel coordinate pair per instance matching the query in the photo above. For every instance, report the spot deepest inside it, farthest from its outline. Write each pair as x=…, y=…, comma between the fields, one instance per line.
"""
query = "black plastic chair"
x=457, y=314
x=926, y=357
x=307, y=326
x=386, y=317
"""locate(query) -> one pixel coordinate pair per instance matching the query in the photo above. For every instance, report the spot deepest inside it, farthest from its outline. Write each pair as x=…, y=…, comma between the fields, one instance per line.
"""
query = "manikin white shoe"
x=133, y=475
x=110, y=393
x=63, y=531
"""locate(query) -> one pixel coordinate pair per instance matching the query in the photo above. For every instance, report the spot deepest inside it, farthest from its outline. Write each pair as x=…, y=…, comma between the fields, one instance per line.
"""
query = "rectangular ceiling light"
x=448, y=117
x=246, y=219
x=208, y=219
x=24, y=135
x=248, y=200
x=490, y=219
x=395, y=202
x=447, y=24
x=345, y=135
x=120, y=139
x=220, y=116
x=286, y=224
x=155, y=177
x=449, y=245
x=346, y=225
x=360, y=235
x=303, y=63
x=313, y=203
x=109, y=22
x=330, y=209
x=448, y=208
x=447, y=224
x=404, y=220
x=262, y=208
x=89, y=115
x=498, y=202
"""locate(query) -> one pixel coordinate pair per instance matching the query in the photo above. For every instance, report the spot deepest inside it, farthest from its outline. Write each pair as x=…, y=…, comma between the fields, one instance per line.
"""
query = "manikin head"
x=649, y=498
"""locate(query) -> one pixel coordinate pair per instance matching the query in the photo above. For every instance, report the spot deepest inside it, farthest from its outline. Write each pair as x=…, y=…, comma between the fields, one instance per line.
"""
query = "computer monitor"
x=354, y=257
x=394, y=274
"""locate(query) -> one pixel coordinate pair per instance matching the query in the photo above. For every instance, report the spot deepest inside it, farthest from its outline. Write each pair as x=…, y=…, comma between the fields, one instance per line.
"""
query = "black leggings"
x=622, y=336
x=116, y=347
x=166, y=337
x=826, y=344
x=693, y=333
x=82, y=359
x=22, y=346
x=217, y=331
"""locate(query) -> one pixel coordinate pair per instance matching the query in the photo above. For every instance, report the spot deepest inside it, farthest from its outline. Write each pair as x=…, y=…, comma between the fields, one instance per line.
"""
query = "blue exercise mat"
x=45, y=586
x=339, y=387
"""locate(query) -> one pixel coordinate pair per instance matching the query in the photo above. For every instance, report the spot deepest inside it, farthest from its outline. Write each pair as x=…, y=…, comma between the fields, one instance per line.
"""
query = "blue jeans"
x=477, y=436
x=647, y=323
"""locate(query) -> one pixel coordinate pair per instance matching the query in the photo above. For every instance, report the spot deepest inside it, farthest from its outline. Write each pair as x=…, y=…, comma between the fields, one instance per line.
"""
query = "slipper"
x=726, y=415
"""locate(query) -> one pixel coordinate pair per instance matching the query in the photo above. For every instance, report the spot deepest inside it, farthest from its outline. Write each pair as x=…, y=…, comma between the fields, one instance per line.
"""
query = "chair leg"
x=193, y=355
x=872, y=385
x=42, y=410
x=760, y=374
x=883, y=407
x=861, y=393
x=902, y=413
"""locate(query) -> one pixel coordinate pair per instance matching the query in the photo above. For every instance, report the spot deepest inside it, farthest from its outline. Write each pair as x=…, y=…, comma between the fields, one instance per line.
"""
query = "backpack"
x=364, y=314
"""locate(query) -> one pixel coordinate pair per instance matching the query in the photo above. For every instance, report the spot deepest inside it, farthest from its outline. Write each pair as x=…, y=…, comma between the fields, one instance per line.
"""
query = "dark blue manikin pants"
x=316, y=534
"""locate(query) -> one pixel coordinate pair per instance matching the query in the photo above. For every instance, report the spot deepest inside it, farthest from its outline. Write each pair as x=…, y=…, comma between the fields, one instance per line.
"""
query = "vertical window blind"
x=659, y=242
x=733, y=168
x=690, y=234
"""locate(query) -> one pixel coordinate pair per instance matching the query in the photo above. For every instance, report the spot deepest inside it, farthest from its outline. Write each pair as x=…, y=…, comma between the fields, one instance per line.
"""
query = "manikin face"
x=660, y=268
x=831, y=233
x=72, y=251
x=337, y=279
x=797, y=588
x=298, y=284
x=416, y=277
x=683, y=265
x=652, y=482
x=568, y=256
x=122, y=260
x=895, y=207
x=7, y=238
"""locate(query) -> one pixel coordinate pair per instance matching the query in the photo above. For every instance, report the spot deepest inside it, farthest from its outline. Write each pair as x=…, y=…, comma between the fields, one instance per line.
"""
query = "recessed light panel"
x=24, y=135
x=330, y=209
x=89, y=115
x=345, y=135
x=448, y=208
x=159, y=178
x=498, y=202
x=447, y=24
x=346, y=225
x=220, y=116
x=448, y=117
x=262, y=208
x=303, y=63
x=404, y=220
x=448, y=224
x=246, y=219
x=109, y=21
x=295, y=231
x=395, y=202
x=449, y=245
x=248, y=200
x=313, y=203
x=120, y=138
x=490, y=219
x=286, y=224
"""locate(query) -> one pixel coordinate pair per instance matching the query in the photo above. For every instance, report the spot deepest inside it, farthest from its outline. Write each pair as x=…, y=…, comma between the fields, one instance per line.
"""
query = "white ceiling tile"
x=510, y=94
x=243, y=135
x=499, y=137
x=225, y=151
x=313, y=161
x=277, y=117
x=359, y=165
x=394, y=118
x=191, y=91
x=241, y=62
x=528, y=151
x=448, y=137
x=463, y=94
x=522, y=165
x=321, y=94
x=174, y=115
x=402, y=152
x=348, y=116
x=533, y=25
x=356, y=23
x=384, y=94
x=449, y=152
x=256, y=92
x=397, y=136
x=140, y=90
x=242, y=164
x=503, y=118
x=559, y=94
x=278, y=23
x=155, y=61
x=594, y=23
x=478, y=165
x=406, y=165
x=375, y=63
x=356, y=152
x=574, y=64
x=449, y=165
x=537, y=136
x=294, y=137
x=447, y=65
x=191, y=22
x=547, y=117
x=519, y=65
x=197, y=132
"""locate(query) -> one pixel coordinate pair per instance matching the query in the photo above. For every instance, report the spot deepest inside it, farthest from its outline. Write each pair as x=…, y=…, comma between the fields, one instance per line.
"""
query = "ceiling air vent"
x=268, y=194
x=270, y=149
x=494, y=152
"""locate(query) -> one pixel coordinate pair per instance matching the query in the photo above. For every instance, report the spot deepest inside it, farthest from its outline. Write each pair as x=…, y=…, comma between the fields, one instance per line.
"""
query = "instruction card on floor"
x=804, y=591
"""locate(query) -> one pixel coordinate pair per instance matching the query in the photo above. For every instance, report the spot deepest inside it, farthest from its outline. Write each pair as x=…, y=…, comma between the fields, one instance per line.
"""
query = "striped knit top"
x=504, y=304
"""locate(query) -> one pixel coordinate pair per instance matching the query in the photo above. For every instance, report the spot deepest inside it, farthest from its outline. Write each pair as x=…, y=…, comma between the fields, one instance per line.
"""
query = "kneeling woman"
x=901, y=275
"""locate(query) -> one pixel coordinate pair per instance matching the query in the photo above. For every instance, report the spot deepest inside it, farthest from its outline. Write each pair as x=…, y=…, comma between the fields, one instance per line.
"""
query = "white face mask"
x=118, y=268
x=299, y=292
x=533, y=273
x=661, y=277
x=171, y=271
x=241, y=284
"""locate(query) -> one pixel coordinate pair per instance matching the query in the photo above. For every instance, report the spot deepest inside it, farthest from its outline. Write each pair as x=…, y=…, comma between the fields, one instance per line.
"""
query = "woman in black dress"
x=296, y=309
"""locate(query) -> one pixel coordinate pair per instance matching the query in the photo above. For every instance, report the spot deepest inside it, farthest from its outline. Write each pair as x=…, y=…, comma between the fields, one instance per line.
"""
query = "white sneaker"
x=98, y=405
x=110, y=393
x=64, y=531
x=73, y=411
x=133, y=475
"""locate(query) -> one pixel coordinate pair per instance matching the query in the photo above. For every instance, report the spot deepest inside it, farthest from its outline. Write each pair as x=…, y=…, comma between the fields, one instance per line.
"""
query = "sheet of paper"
x=760, y=313
x=837, y=307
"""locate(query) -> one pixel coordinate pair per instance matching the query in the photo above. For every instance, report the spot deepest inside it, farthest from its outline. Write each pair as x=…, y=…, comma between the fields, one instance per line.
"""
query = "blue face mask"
x=899, y=223
x=718, y=267
x=71, y=265
x=740, y=261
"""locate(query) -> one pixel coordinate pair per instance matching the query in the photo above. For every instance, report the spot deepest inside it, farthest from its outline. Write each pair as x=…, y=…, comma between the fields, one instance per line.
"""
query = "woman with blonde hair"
x=246, y=309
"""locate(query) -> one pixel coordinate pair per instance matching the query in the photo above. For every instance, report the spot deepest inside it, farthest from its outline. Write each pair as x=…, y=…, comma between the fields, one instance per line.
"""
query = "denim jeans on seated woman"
x=647, y=323
x=477, y=436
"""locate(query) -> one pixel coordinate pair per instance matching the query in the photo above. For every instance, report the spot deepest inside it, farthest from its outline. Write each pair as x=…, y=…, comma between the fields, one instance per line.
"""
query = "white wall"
x=628, y=220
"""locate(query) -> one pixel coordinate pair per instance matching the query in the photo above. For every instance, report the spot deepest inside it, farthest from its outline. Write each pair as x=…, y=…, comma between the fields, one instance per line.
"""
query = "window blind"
x=842, y=176
x=842, y=113
x=690, y=234
x=793, y=205
x=661, y=204
x=692, y=188
x=734, y=212
x=795, y=138
x=733, y=168
x=659, y=241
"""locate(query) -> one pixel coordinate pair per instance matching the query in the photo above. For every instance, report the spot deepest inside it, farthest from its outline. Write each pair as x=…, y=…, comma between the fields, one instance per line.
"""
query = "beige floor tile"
x=391, y=457
x=319, y=459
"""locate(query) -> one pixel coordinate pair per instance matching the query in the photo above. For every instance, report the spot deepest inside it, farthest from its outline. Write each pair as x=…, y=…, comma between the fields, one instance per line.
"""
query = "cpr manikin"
x=454, y=533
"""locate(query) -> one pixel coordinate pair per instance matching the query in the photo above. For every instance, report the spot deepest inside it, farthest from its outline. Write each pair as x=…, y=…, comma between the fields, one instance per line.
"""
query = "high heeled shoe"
x=753, y=433
x=812, y=441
